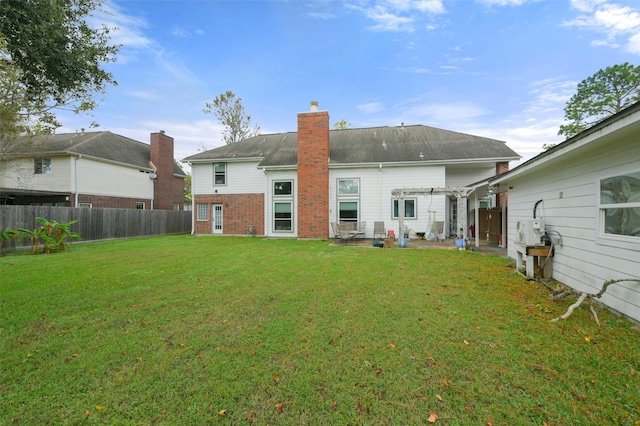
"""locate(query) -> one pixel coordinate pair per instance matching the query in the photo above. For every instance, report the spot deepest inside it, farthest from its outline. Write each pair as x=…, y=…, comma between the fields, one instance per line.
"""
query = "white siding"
x=242, y=178
x=464, y=175
x=19, y=174
x=267, y=186
x=105, y=179
x=376, y=185
x=569, y=188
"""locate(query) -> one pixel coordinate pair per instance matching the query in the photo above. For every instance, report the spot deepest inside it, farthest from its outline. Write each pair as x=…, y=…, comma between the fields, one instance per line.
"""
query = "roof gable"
x=368, y=146
x=103, y=145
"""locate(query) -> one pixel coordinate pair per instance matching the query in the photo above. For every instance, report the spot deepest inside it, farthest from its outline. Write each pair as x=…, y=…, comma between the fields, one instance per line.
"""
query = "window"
x=84, y=205
x=282, y=188
x=202, y=211
x=283, y=216
x=220, y=173
x=176, y=207
x=42, y=166
x=620, y=205
x=139, y=205
x=347, y=211
x=348, y=187
x=410, y=210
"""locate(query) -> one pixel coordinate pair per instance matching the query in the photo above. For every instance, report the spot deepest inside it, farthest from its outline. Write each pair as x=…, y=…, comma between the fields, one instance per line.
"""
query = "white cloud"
x=179, y=32
x=399, y=15
x=175, y=66
x=613, y=20
x=386, y=21
x=502, y=2
x=146, y=95
x=371, y=107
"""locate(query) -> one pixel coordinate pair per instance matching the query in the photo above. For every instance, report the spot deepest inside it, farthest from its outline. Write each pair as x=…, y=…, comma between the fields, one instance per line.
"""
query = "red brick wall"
x=313, y=175
x=501, y=199
x=238, y=212
x=502, y=167
x=100, y=201
x=168, y=190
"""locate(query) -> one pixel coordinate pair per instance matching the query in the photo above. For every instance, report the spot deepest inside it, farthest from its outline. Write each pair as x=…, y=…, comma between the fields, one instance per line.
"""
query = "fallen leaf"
x=276, y=379
x=222, y=412
x=422, y=397
x=446, y=383
x=250, y=416
x=588, y=339
x=334, y=403
x=439, y=397
x=433, y=417
x=489, y=423
x=279, y=406
x=100, y=407
x=465, y=342
x=392, y=345
x=378, y=370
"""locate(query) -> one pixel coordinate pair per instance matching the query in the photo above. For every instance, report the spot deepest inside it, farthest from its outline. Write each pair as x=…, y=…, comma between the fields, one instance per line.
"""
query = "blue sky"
x=496, y=68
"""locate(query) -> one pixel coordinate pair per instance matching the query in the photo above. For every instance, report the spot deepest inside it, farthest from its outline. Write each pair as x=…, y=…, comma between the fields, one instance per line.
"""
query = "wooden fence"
x=96, y=224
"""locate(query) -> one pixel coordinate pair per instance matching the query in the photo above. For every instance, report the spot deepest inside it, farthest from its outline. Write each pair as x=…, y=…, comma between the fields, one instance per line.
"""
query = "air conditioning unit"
x=529, y=232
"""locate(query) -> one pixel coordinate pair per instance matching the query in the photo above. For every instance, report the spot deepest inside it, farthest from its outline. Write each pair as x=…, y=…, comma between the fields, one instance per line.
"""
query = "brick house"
x=93, y=169
x=296, y=184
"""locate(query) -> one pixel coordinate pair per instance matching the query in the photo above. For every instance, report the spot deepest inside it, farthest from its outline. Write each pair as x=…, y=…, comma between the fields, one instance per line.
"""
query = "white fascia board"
x=117, y=163
x=422, y=163
x=225, y=160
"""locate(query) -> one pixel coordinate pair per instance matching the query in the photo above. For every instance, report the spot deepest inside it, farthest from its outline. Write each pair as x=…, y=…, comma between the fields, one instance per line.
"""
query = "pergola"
x=461, y=194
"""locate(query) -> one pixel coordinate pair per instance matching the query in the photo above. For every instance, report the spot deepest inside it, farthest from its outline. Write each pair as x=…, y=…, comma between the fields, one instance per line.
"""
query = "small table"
x=538, y=260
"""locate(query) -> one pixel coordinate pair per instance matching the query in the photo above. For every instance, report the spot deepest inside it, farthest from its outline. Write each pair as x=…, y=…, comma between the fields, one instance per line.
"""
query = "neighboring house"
x=296, y=184
x=93, y=169
x=587, y=192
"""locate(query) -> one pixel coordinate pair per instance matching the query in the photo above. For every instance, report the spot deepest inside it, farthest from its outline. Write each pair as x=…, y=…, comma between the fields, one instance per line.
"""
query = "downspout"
x=380, y=190
x=267, y=205
x=401, y=215
x=75, y=178
x=476, y=218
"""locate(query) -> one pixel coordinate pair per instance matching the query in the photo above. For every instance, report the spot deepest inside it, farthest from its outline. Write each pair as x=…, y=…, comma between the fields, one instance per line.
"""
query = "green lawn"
x=172, y=330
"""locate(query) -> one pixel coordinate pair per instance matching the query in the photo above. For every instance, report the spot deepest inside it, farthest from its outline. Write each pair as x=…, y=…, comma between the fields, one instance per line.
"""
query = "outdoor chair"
x=335, y=231
x=346, y=231
x=378, y=230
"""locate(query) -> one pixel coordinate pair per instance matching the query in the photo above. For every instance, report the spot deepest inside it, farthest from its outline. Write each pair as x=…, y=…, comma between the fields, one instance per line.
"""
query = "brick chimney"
x=313, y=173
x=162, y=160
x=501, y=199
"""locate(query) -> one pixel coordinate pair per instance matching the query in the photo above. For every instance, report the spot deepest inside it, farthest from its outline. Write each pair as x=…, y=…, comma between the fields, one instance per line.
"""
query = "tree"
x=58, y=53
x=600, y=96
x=50, y=59
x=229, y=110
x=342, y=124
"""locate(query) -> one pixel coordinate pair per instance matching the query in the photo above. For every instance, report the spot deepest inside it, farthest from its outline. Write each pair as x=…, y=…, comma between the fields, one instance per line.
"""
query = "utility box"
x=529, y=232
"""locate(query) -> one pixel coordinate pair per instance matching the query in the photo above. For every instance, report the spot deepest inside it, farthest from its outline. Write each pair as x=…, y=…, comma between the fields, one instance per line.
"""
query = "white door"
x=217, y=219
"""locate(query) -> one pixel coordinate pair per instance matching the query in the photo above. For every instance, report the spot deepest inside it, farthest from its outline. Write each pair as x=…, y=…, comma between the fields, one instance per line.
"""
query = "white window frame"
x=85, y=205
x=202, y=212
x=42, y=166
x=276, y=219
x=347, y=191
x=395, y=202
x=348, y=219
x=140, y=205
x=609, y=203
x=344, y=190
x=281, y=181
x=224, y=174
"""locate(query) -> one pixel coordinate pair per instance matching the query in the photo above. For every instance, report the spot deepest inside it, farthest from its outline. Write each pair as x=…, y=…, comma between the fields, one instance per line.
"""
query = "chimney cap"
x=314, y=106
x=162, y=132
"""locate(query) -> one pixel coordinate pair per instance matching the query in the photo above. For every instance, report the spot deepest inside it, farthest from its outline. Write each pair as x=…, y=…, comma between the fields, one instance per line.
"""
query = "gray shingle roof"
x=102, y=145
x=371, y=145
